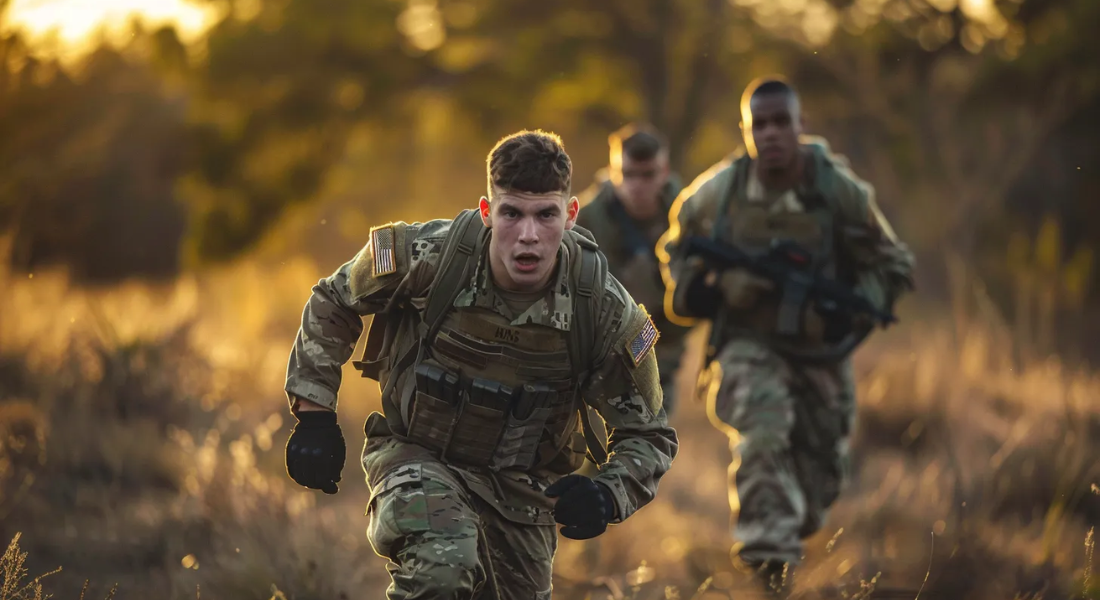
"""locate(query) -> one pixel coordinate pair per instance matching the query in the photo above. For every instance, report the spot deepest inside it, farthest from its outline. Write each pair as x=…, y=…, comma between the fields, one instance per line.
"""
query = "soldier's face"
x=527, y=232
x=776, y=125
x=638, y=184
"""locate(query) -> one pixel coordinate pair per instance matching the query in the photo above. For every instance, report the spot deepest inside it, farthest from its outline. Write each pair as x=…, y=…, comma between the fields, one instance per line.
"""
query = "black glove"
x=584, y=506
x=315, y=452
x=837, y=323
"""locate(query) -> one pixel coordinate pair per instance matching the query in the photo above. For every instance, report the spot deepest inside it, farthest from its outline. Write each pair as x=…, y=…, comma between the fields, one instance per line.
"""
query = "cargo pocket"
x=398, y=509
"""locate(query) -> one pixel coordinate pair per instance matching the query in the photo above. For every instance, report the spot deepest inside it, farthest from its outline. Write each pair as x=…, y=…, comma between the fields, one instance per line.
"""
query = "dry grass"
x=141, y=432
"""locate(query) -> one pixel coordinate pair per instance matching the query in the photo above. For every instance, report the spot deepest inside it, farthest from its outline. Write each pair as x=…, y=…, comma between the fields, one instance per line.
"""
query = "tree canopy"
x=154, y=155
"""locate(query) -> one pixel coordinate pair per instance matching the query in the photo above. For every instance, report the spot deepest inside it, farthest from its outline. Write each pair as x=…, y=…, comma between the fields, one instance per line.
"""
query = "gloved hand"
x=823, y=324
x=584, y=507
x=814, y=323
x=316, y=451
x=741, y=289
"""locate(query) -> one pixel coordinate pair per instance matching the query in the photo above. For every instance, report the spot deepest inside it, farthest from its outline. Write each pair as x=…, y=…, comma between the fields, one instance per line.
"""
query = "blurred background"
x=175, y=176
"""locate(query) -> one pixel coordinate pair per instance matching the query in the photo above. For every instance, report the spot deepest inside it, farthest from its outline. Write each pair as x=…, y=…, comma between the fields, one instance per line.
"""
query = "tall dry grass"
x=142, y=430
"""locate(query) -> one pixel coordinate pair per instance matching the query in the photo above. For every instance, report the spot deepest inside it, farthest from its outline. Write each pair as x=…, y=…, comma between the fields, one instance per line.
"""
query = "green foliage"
x=282, y=88
x=277, y=97
x=942, y=105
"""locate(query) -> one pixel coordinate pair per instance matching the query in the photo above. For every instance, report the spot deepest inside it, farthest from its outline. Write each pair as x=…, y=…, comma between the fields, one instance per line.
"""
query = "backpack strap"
x=464, y=244
x=740, y=168
x=371, y=361
x=463, y=241
x=588, y=281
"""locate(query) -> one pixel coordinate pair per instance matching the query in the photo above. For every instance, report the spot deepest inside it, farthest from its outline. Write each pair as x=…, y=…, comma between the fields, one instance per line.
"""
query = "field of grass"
x=142, y=427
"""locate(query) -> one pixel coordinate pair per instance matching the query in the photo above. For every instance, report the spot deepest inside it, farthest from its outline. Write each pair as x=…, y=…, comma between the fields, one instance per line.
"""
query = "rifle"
x=786, y=265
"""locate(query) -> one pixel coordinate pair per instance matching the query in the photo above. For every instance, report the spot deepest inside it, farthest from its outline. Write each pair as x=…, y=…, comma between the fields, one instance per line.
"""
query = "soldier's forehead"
x=773, y=103
x=529, y=200
x=651, y=162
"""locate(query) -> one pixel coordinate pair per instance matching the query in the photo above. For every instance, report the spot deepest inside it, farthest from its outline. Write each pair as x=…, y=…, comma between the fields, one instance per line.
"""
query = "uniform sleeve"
x=882, y=264
x=625, y=390
x=693, y=213
x=332, y=319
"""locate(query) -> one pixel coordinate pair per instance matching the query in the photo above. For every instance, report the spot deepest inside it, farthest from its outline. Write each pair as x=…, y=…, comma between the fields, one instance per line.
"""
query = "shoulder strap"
x=588, y=281
x=463, y=244
x=817, y=177
x=740, y=173
x=463, y=241
x=378, y=338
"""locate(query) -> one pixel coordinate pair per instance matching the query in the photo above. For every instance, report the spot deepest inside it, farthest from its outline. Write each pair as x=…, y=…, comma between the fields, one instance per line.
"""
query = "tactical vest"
x=485, y=393
x=750, y=226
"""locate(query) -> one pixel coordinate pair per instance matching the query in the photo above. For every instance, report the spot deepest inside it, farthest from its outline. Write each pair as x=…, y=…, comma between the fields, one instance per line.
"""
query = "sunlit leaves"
x=422, y=24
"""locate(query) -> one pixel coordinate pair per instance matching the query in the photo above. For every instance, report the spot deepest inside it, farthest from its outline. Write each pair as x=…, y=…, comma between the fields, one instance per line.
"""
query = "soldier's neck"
x=510, y=287
x=781, y=179
x=640, y=212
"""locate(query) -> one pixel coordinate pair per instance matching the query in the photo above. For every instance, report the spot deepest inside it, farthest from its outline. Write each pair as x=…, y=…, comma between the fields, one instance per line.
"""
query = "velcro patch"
x=643, y=342
x=382, y=243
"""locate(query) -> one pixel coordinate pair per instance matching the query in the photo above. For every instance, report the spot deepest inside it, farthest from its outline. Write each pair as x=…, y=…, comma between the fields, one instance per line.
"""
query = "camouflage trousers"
x=788, y=427
x=444, y=543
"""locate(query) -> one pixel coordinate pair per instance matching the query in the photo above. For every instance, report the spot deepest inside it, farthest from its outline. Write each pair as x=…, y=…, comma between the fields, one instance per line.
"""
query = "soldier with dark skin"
x=494, y=331
x=626, y=210
x=788, y=418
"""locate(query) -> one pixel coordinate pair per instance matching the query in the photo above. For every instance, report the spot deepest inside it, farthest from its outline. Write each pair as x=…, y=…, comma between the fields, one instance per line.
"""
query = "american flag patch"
x=643, y=342
x=382, y=241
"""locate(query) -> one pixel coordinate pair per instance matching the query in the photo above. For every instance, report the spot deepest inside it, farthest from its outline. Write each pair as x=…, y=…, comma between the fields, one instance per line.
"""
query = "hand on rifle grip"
x=741, y=289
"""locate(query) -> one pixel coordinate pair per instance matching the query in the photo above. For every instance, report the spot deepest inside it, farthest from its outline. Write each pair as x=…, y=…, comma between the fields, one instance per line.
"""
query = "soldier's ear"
x=572, y=209
x=485, y=209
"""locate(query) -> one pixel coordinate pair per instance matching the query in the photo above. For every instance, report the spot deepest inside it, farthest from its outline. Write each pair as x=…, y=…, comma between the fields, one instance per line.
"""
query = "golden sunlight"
x=76, y=22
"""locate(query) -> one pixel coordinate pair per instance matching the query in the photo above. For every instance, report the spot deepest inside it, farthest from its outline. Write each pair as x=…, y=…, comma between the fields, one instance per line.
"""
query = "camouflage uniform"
x=630, y=248
x=467, y=517
x=788, y=421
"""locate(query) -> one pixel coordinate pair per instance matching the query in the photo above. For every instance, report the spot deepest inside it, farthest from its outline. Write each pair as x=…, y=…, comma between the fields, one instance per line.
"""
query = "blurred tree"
x=281, y=87
x=603, y=63
x=285, y=81
x=88, y=161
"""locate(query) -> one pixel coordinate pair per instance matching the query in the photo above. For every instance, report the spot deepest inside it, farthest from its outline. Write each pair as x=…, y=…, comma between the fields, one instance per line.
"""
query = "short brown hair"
x=530, y=161
x=639, y=141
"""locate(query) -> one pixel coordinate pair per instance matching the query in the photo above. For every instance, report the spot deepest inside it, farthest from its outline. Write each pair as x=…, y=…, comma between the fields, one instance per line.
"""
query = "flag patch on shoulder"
x=643, y=342
x=382, y=242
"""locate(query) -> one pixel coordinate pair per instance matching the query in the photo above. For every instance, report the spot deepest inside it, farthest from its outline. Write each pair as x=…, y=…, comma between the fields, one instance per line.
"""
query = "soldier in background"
x=786, y=406
x=626, y=210
x=492, y=333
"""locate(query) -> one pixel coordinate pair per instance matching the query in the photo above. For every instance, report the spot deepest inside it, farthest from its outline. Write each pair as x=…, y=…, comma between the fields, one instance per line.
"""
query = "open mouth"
x=527, y=263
